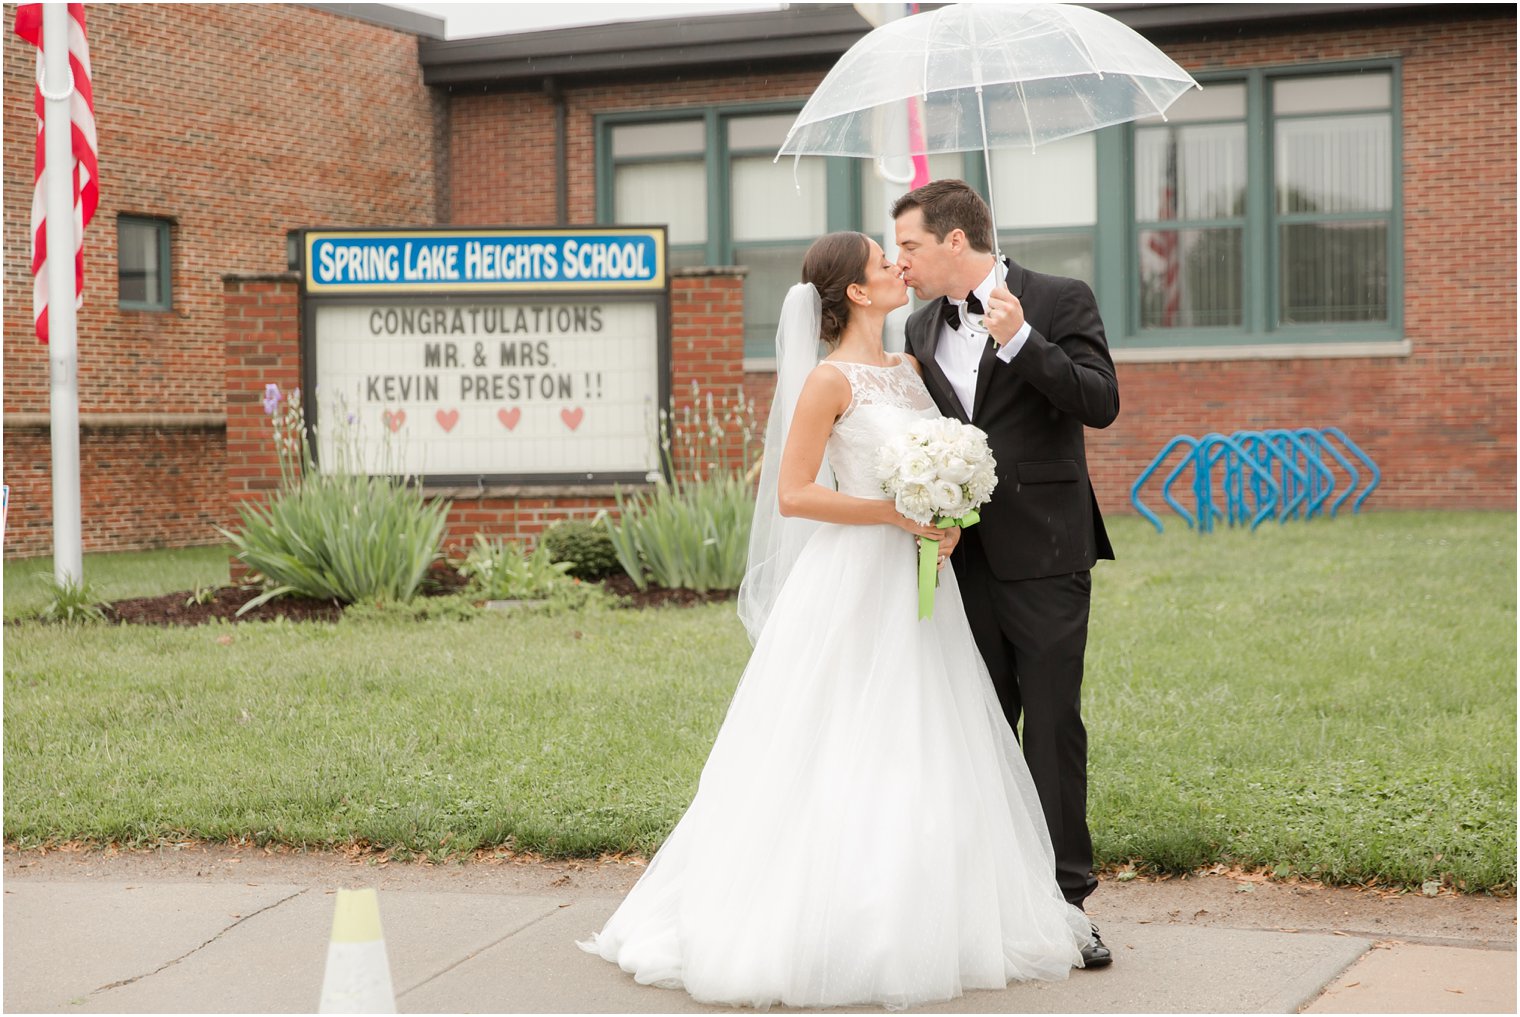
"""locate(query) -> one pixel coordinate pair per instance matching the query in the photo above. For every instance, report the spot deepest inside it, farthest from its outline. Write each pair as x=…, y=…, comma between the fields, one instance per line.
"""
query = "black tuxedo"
x=1024, y=569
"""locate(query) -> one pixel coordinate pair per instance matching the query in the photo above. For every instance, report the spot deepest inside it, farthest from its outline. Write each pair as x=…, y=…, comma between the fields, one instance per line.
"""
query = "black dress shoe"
x=1095, y=954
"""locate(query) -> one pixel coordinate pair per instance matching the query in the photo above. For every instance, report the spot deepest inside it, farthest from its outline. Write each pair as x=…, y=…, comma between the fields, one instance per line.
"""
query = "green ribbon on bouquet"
x=928, y=551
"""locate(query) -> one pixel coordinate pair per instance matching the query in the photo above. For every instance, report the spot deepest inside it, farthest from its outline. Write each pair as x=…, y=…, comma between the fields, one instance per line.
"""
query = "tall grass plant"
x=691, y=531
x=338, y=532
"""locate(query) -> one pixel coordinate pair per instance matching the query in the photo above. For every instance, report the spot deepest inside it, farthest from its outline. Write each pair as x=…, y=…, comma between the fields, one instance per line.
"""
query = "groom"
x=1032, y=384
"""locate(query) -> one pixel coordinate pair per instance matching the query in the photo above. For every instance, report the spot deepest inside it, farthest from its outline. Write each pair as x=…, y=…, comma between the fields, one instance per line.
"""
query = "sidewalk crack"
x=476, y=953
x=198, y=949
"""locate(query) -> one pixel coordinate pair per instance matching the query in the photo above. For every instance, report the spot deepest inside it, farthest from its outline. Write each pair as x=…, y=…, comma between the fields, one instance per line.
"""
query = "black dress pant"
x=1032, y=633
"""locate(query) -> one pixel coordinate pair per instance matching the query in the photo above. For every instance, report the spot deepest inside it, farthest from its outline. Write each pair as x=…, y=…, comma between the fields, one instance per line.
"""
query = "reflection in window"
x=1190, y=195
x=1046, y=202
x=1334, y=197
x=142, y=264
x=659, y=177
x=776, y=210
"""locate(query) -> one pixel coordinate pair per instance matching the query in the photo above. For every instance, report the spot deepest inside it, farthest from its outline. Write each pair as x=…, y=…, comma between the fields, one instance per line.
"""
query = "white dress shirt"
x=959, y=351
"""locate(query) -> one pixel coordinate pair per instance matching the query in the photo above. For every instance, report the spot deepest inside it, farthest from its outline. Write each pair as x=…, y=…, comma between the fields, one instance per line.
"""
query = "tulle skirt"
x=865, y=829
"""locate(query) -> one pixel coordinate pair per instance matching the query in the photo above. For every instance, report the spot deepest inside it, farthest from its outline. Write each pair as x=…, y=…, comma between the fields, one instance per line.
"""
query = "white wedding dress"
x=865, y=829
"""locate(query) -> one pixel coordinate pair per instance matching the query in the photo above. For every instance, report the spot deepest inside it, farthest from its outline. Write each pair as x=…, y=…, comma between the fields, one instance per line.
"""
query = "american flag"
x=83, y=143
x=1165, y=246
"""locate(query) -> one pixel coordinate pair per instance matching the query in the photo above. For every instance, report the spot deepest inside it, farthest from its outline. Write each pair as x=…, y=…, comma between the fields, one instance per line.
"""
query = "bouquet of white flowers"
x=937, y=471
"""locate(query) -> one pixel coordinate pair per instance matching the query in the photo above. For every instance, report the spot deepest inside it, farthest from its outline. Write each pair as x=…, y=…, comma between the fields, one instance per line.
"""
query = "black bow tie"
x=952, y=312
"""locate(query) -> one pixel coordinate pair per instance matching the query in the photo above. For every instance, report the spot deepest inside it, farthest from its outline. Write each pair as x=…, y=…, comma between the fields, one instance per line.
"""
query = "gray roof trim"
x=800, y=32
x=1142, y=17
x=387, y=16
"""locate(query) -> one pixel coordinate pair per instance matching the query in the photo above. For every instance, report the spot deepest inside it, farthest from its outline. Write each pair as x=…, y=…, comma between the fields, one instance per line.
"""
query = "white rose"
x=946, y=497
x=956, y=470
x=914, y=501
x=981, y=486
x=917, y=468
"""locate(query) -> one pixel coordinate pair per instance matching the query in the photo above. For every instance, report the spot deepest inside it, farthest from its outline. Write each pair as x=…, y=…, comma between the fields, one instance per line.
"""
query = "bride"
x=865, y=829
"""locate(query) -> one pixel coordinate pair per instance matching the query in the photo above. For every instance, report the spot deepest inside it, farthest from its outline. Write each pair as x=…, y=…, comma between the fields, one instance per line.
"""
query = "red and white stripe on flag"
x=85, y=148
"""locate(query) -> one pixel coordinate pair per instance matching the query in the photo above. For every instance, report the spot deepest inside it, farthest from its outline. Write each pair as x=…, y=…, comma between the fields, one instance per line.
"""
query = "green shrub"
x=342, y=534
x=72, y=602
x=586, y=545
x=692, y=535
x=454, y=607
x=501, y=570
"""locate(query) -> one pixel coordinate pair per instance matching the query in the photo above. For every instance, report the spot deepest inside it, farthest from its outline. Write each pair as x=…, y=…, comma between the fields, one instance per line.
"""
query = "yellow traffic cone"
x=358, y=977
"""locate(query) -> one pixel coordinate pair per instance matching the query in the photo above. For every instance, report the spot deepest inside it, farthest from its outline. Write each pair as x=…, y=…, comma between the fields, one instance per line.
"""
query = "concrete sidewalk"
x=220, y=937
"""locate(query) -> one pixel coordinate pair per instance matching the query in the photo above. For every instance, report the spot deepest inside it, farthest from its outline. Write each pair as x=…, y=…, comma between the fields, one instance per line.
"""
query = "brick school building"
x=1323, y=236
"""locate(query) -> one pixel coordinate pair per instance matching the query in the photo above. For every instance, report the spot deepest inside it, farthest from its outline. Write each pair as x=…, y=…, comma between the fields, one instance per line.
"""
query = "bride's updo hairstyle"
x=832, y=265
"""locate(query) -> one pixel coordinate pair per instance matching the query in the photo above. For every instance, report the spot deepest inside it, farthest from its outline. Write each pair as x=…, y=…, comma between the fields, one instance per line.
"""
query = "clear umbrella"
x=985, y=76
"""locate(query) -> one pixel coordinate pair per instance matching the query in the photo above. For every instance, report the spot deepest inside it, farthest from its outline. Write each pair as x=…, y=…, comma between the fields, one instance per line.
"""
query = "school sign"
x=488, y=356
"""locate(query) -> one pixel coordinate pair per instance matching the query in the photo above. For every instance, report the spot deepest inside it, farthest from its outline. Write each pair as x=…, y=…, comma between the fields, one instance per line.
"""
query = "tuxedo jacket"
x=1043, y=519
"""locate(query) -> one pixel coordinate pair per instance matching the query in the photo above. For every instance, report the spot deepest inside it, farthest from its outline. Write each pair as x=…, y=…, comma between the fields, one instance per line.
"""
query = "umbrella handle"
x=975, y=323
x=890, y=177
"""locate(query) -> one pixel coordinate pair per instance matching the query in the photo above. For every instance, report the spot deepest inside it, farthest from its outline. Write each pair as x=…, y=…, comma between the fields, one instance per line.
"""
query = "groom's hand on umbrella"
x=1005, y=315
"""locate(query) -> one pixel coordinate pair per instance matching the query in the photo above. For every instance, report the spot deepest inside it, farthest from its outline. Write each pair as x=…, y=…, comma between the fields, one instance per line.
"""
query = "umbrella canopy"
x=985, y=76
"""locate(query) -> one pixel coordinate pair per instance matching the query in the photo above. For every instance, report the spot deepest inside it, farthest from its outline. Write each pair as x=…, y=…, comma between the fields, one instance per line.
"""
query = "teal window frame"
x=720, y=244
x=1117, y=256
x=163, y=231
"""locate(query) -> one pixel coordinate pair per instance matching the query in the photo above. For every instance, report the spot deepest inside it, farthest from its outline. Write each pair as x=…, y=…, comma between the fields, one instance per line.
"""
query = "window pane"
x=139, y=279
x=1055, y=185
x=1332, y=93
x=687, y=257
x=1190, y=278
x=674, y=137
x=767, y=204
x=772, y=271
x=1335, y=271
x=1068, y=254
x=1224, y=101
x=1335, y=164
x=873, y=197
x=673, y=193
x=1190, y=172
x=767, y=132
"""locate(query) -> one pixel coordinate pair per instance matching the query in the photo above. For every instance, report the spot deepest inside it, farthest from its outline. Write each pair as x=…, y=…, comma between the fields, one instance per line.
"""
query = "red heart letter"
x=395, y=420
x=572, y=418
x=509, y=418
x=447, y=420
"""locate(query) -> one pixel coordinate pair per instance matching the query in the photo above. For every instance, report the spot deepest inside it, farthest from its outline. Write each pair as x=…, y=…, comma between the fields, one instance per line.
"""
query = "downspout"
x=561, y=169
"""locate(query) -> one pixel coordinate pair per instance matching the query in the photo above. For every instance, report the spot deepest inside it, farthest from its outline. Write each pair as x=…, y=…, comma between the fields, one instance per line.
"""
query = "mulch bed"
x=658, y=596
x=183, y=609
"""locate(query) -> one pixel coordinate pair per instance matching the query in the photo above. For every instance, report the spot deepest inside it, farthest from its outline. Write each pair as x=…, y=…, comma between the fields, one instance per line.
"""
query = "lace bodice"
x=884, y=401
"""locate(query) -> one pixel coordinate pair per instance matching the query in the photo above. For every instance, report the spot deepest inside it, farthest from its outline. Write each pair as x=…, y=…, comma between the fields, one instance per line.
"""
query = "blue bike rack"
x=1134, y=491
x=1276, y=472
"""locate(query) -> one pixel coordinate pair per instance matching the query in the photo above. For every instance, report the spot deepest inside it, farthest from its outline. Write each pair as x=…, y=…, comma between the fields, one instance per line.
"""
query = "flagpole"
x=63, y=347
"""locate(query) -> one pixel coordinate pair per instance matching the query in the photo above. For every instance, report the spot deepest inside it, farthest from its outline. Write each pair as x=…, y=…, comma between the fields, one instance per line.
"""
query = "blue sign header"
x=593, y=260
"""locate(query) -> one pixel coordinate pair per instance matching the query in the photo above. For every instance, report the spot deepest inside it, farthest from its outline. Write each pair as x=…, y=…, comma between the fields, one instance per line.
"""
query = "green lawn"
x=1334, y=699
x=28, y=583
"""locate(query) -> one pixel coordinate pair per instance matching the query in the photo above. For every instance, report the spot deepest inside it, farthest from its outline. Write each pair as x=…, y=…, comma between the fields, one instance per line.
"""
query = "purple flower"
x=271, y=398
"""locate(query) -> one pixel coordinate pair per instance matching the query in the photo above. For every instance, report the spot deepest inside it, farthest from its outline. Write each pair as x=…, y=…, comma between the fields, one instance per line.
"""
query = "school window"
x=142, y=264
x=1333, y=154
x=1190, y=211
x=660, y=177
x=1046, y=203
x=1266, y=208
x=773, y=218
x=709, y=176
